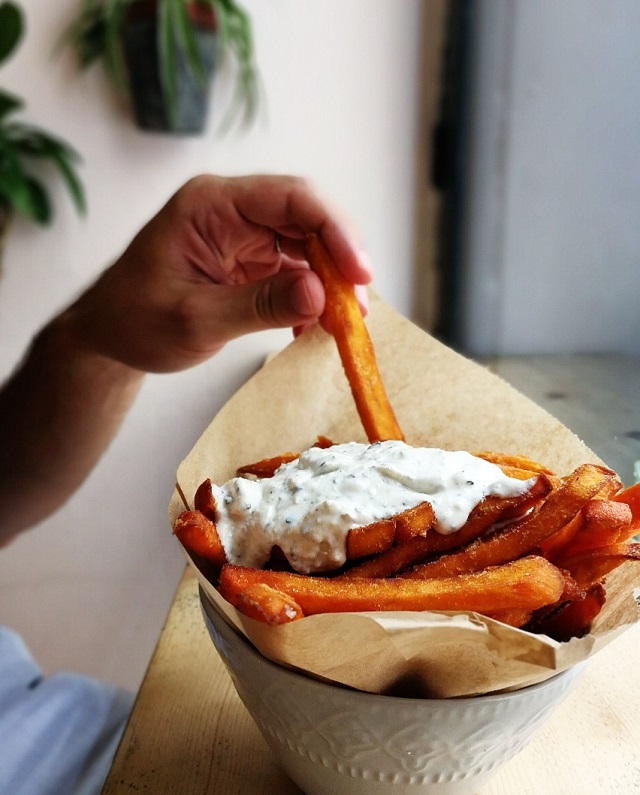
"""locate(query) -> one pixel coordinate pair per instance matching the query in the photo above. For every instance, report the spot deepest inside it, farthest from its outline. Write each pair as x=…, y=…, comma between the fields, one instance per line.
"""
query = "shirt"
x=58, y=734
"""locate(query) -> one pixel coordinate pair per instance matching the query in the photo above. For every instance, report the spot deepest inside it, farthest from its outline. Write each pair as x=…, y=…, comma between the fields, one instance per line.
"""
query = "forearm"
x=58, y=413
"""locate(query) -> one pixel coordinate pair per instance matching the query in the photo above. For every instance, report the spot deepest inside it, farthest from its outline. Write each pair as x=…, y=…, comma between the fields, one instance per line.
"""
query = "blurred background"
x=487, y=151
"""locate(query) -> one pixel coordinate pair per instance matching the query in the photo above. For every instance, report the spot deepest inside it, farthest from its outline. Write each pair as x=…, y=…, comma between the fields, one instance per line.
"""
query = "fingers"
x=224, y=257
x=290, y=207
x=288, y=299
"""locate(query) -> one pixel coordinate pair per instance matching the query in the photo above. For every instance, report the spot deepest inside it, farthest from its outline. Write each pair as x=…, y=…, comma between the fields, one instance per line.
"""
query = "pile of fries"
x=537, y=561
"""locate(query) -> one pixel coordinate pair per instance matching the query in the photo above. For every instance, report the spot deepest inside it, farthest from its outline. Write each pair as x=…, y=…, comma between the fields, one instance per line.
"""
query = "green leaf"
x=24, y=194
x=20, y=142
x=9, y=103
x=86, y=34
x=71, y=180
x=114, y=14
x=33, y=142
x=39, y=206
x=185, y=37
x=167, y=57
x=236, y=38
x=12, y=174
x=11, y=28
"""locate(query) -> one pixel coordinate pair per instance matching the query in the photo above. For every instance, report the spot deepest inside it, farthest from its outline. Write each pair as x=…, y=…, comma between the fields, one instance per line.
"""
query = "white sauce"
x=309, y=505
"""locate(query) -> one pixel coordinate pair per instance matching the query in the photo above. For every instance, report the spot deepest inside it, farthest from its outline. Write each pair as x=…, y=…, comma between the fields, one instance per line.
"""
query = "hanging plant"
x=162, y=54
x=23, y=145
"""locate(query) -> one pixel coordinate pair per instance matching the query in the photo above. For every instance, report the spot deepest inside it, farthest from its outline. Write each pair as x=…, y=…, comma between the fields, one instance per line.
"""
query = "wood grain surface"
x=189, y=734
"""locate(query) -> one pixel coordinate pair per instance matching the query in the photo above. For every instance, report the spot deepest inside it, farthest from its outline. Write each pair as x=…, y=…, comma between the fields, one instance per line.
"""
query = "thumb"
x=287, y=299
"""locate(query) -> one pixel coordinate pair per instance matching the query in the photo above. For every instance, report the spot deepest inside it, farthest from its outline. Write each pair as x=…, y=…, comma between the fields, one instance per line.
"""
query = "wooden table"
x=190, y=735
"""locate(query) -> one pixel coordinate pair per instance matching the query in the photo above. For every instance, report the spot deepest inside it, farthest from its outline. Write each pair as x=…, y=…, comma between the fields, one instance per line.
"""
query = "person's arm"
x=204, y=270
x=57, y=415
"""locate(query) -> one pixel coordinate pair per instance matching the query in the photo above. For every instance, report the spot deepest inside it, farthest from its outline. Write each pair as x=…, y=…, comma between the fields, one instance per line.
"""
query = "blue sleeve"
x=58, y=734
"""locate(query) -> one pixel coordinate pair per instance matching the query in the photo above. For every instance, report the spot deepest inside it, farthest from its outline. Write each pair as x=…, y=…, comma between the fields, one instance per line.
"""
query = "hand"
x=206, y=269
x=224, y=257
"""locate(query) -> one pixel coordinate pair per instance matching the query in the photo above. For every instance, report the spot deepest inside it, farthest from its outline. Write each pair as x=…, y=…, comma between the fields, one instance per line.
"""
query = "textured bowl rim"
x=221, y=625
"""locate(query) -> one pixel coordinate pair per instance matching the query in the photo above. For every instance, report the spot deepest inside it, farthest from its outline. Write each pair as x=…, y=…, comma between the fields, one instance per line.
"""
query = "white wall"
x=89, y=588
x=553, y=240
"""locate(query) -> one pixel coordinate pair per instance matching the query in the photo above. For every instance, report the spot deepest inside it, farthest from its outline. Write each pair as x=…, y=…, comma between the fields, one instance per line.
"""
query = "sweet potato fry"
x=520, y=537
x=526, y=474
x=528, y=583
x=198, y=534
x=552, y=546
x=267, y=466
x=569, y=619
x=631, y=496
x=517, y=462
x=264, y=603
x=354, y=346
x=413, y=522
x=491, y=510
x=370, y=539
x=377, y=538
x=604, y=522
x=395, y=559
x=571, y=588
x=514, y=618
x=323, y=442
x=592, y=565
x=204, y=501
x=610, y=489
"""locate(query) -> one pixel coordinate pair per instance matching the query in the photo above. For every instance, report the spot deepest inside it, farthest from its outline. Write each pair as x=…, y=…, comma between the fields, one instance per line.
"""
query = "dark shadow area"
x=442, y=164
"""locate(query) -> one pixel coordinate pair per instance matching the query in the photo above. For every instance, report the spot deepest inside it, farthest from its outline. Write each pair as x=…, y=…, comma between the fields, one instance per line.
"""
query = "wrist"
x=63, y=340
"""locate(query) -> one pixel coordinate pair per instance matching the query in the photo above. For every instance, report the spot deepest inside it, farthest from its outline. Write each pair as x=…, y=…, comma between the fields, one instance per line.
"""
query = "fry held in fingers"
x=354, y=346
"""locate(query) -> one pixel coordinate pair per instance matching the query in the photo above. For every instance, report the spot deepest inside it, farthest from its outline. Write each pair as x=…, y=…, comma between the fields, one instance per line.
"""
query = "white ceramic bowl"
x=334, y=740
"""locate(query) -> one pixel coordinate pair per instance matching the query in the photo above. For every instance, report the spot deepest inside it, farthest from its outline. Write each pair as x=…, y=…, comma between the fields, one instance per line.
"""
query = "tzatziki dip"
x=309, y=505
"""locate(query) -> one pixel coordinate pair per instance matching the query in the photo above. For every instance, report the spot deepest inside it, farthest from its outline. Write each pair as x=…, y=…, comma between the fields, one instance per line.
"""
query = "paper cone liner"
x=441, y=399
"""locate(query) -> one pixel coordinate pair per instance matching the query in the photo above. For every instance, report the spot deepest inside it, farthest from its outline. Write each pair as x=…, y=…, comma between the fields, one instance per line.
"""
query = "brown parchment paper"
x=441, y=399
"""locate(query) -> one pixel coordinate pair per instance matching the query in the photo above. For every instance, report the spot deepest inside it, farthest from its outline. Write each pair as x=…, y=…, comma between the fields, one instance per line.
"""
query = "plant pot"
x=150, y=98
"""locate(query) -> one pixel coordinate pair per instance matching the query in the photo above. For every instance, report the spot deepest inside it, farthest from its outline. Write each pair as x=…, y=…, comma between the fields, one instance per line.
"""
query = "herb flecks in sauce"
x=309, y=505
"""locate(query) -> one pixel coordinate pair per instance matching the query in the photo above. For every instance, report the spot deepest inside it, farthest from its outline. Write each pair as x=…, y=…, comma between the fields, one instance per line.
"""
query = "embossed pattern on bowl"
x=335, y=740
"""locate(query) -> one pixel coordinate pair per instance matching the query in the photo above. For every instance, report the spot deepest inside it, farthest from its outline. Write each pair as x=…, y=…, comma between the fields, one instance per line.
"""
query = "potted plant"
x=163, y=53
x=22, y=191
